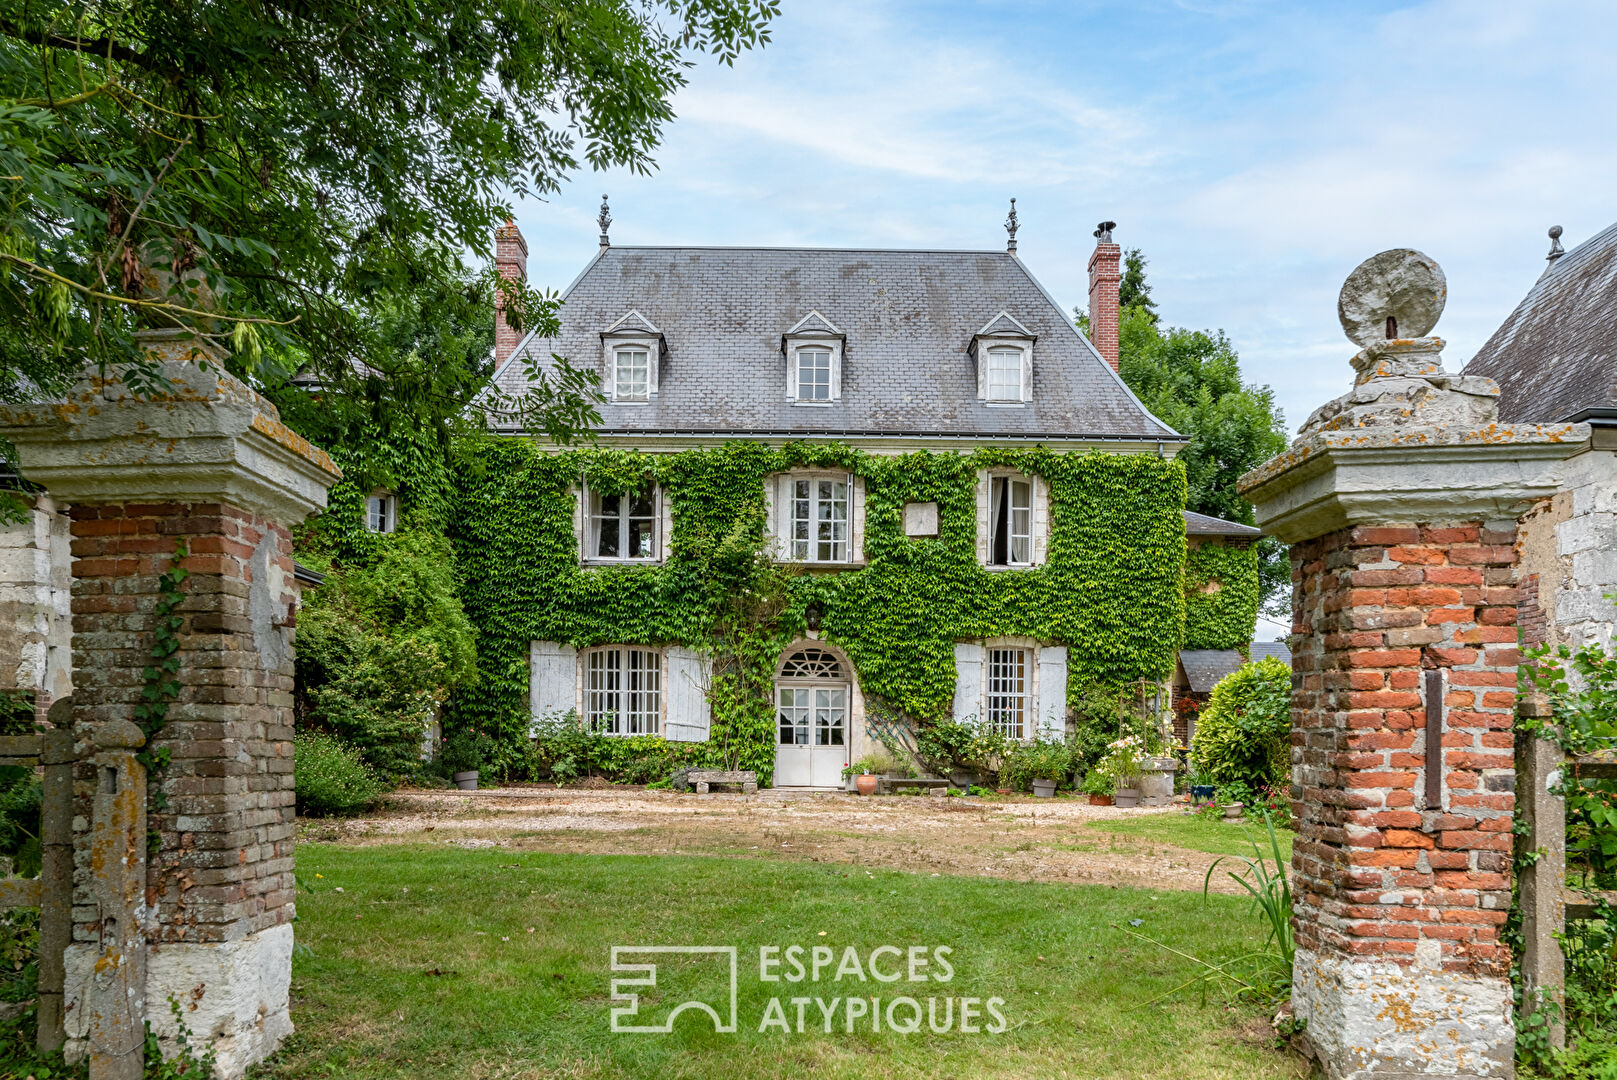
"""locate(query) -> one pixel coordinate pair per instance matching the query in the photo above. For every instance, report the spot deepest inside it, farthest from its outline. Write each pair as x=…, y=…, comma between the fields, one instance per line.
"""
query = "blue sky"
x=1256, y=151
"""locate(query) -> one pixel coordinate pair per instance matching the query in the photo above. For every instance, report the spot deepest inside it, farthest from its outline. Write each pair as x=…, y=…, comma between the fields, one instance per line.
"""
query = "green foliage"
x=1100, y=716
x=380, y=646
x=563, y=751
x=1042, y=759
x=160, y=680
x=332, y=778
x=967, y=743
x=286, y=164
x=1221, y=596
x=1581, y=688
x=1111, y=590
x=1244, y=734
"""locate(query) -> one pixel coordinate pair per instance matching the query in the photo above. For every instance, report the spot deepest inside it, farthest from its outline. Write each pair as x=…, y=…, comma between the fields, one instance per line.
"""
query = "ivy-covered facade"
x=829, y=488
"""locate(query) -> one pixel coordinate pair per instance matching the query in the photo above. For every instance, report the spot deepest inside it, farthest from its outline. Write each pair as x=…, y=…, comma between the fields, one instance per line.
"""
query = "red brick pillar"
x=1400, y=502
x=1382, y=869
x=208, y=464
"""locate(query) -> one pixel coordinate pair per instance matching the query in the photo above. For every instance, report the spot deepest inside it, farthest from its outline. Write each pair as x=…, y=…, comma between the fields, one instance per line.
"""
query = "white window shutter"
x=653, y=358
x=581, y=520
x=791, y=374
x=836, y=373
x=982, y=372
x=1053, y=693
x=856, y=519
x=552, y=678
x=1027, y=374
x=688, y=710
x=968, y=680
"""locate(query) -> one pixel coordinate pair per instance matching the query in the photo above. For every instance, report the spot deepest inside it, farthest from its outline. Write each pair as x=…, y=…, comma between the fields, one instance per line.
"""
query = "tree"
x=258, y=173
x=1191, y=381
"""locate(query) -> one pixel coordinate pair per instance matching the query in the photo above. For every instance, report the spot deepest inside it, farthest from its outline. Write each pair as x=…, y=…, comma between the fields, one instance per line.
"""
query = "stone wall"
x=35, y=621
x=1569, y=543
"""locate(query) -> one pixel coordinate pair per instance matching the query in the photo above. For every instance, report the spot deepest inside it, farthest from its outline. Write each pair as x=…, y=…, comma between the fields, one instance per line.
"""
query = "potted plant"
x=1098, y=786
x=865, y=781
x=463, y=756
x=1122, y=763
x=1046, y=764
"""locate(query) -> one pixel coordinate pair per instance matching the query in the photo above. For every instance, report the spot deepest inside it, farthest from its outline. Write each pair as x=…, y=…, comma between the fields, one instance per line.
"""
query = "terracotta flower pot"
x=866, y=784
x=1100, y=800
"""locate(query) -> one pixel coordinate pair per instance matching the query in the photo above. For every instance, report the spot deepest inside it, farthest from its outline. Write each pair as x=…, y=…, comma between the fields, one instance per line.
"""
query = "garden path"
x=1018, y=839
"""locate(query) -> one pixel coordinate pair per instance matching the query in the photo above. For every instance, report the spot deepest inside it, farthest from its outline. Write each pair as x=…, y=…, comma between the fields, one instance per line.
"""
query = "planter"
x=1156, y=780
x=1128, y=797
x=1201, y=794
x=1044, y=789
x=466, y=781
x=1234, y=810
x=1100, y=800
x=866, y=784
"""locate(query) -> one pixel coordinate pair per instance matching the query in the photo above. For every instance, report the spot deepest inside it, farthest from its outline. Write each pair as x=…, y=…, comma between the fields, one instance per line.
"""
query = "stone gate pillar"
x=207, y=462
x=1400, y=501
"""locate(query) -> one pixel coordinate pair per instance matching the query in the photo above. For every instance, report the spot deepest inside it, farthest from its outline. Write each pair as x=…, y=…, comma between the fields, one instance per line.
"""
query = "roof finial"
x=1011, y=226
x=1103, y=231
x=1556, y=250
x=605, y=219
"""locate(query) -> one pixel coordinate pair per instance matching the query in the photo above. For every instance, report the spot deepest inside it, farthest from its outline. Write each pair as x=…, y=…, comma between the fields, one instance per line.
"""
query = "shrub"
x=1100, y=717
x=1244, y=735
x=562, y=750
x=380, y=646
x=331, y=777
x=968, y=743
x=1044, y=759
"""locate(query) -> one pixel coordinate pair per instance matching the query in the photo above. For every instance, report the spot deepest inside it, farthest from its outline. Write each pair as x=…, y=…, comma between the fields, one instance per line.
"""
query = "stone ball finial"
x=1397, y=294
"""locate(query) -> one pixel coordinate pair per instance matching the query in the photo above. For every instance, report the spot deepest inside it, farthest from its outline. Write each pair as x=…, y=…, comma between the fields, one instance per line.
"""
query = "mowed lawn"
x=439, y=961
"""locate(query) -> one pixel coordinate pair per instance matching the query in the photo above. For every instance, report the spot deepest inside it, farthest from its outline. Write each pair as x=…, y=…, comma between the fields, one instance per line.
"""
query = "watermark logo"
x=720, y=1008
x=827, y=991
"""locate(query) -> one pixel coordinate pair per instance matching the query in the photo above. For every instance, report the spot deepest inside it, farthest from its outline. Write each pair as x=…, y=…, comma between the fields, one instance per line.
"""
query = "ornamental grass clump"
x=331, y=778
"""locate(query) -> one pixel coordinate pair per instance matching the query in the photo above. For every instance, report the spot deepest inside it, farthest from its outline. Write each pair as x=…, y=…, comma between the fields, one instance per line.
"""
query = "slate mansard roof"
x=908, y=320
x=1556, y=355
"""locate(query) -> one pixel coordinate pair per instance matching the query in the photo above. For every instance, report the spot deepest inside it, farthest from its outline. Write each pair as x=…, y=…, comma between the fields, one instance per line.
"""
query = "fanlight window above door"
x=812, y=664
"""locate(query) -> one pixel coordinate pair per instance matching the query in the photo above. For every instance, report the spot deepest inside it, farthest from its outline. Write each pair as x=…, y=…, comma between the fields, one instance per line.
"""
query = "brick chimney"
x=1105, y=275
x=511, y=260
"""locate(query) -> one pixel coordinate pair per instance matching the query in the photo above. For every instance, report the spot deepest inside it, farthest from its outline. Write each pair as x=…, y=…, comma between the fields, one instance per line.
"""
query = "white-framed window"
x=631, y=373
x=381, y=512
x=1004, y=374
x=1010, y=521
x=1013, y=519
x=819, y=516
x=814, y=373
x=623, y=690
x=1008, y=685
x=623, y=527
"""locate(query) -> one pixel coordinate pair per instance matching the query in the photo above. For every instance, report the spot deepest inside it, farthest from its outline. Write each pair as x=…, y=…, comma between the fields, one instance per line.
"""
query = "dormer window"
x=633, y=347
x=1003, y=351
x=813, y=350
x=631, y=374
x=1004, y=374
x=813, y=373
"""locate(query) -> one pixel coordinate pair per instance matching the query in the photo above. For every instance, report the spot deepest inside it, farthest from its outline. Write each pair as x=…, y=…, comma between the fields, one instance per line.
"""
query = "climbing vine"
x=160, y=680
x=1110, y=589
x=1221, y=596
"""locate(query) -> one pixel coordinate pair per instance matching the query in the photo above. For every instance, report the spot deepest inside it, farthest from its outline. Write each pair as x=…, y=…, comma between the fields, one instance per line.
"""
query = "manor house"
x=886, y=353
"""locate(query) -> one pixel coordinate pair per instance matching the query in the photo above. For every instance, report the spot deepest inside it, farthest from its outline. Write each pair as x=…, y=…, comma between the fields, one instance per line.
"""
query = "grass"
x=423, y=966
x=1194, y=832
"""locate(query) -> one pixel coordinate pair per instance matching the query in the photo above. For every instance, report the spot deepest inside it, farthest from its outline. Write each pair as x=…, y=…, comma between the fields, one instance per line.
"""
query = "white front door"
x=812, y=748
